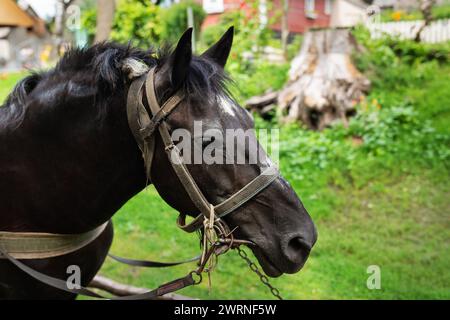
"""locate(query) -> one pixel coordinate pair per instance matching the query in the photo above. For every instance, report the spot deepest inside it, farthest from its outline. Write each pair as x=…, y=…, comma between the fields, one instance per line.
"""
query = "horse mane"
x=102, y=66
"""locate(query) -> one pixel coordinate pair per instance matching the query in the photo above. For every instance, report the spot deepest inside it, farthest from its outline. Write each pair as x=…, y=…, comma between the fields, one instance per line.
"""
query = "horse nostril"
x=297, y=250
x=297, y=243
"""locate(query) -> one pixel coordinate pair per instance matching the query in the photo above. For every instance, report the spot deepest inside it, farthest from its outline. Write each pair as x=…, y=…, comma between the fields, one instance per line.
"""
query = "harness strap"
x=151, y=264
x=168, y=287
x=133, y=103
x=177, y=163
x=137, y=120
x=51, y=281
x=160, y=116
x=35, y=245
x=249, y=191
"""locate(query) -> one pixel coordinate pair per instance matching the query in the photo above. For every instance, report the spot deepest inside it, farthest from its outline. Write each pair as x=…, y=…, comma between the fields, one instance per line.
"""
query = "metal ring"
x=198, y=275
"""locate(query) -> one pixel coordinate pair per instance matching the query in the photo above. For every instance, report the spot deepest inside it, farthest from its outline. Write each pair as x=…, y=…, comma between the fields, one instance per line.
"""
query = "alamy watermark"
x=225, y=146
x=74, y=279
x=374, y=280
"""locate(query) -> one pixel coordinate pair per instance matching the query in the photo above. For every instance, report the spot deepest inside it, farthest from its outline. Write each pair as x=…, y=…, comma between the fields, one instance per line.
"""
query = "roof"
x=13, y=16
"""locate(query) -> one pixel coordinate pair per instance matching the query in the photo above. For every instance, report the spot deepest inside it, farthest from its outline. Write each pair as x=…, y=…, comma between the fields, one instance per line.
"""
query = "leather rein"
x=217, y=238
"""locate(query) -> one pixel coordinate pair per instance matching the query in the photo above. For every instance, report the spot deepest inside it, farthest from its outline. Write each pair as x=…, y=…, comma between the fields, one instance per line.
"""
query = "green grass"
x=7, y=82
x=387, y=210
x=397, y=220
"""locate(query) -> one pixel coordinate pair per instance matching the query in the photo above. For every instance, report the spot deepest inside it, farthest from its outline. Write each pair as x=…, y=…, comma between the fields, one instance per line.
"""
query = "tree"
x=60, y=22
x=105, y=19
x=426, y=7
x=324, y=86
x=285, y=27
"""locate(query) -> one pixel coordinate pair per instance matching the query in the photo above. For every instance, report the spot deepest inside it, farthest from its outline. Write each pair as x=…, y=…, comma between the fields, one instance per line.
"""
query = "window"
x=328, y=5
x=213, y=6
x=309, y=6
x=309, y=9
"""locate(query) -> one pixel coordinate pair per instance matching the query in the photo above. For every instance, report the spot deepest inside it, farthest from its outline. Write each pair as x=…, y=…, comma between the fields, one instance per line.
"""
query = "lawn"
x=7, y=82
x=388, y=209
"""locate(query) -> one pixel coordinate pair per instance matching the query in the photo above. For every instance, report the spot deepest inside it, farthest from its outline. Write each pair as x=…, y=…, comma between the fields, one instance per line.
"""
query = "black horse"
x=68, y=160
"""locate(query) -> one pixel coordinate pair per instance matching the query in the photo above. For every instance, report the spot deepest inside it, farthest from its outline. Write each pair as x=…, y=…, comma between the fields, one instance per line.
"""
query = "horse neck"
x=59, y=192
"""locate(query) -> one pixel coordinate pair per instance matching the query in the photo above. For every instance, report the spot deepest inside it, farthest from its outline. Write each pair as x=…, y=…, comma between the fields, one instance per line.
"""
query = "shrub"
x=141, y=24
x=392, y=63
x=438, y=12
x=249, y=37
x=257, y=79
x=376, y=134
x=134, y=22
x=174, y=19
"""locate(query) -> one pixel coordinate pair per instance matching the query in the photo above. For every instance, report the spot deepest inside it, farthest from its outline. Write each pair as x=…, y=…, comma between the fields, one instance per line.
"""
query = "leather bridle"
x=217, y=236
x=144, y=127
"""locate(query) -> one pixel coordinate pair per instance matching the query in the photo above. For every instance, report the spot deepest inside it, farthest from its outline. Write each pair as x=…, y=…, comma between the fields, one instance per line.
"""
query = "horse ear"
x=219, y=52
x=180, y=59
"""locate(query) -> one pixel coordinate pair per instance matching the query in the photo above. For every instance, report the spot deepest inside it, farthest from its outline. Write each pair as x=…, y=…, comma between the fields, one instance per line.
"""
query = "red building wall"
x=228, y=5
x=298, y=22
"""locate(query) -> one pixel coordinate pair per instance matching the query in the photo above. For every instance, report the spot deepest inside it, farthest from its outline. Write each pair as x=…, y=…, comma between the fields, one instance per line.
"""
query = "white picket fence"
x=437, y=31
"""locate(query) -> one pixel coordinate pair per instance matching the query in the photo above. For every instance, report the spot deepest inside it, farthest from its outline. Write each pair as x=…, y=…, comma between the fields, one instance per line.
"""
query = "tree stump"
x=324, y=85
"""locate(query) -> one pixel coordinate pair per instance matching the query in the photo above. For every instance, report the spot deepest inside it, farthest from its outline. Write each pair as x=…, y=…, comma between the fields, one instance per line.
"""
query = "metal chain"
x=261, y=276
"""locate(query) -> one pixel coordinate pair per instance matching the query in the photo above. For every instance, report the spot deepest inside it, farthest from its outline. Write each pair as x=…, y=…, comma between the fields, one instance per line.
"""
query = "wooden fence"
x=437, y=31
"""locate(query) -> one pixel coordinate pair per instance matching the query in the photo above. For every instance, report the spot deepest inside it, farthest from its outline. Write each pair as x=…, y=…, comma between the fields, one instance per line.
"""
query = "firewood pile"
x=324, y=85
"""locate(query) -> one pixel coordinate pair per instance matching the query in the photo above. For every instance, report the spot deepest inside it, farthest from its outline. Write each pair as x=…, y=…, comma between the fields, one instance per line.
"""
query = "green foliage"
x=395, y=132
x=294, y=47
x=134, y=21
x=389, y=61
x=249, y=37
x=174, y=19
x=246, y=65
x=438, y=12
x=398, y=130
x=137, y=22
x=441, y=12
x=88, y=21
x=8, y=81
x=145, y=24
x=257, y=78
x=211, y=34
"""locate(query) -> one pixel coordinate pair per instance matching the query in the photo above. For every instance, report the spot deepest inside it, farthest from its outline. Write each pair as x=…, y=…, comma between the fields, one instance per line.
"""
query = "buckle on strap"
x=147, y=132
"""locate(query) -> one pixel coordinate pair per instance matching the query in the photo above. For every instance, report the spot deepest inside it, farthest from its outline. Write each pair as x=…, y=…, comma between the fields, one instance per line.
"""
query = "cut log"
x=119, y=290
x=259, y=102
x=324, y=85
